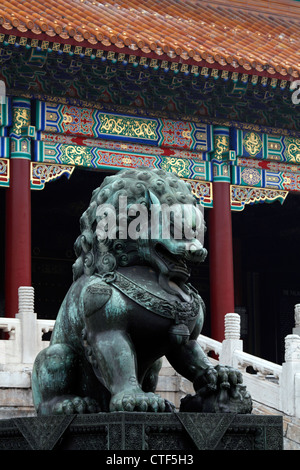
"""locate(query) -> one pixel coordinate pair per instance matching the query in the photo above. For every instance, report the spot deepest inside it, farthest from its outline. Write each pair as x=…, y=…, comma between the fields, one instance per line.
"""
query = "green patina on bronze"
x=130, y=304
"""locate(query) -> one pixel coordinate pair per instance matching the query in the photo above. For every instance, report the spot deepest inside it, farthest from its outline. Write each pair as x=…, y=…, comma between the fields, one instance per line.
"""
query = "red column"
x=220, y=259
x=18, y=210
x=18, y=234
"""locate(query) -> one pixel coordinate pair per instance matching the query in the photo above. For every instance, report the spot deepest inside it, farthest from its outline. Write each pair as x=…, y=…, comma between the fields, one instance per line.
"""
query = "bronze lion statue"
x=131, y=304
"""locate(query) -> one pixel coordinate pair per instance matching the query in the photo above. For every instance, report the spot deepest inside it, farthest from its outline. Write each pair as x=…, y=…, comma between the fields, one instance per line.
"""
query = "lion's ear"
x=85, y=244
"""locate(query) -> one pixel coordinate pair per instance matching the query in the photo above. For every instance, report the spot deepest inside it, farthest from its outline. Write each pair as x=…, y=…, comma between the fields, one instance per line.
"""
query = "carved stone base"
x=175, y=432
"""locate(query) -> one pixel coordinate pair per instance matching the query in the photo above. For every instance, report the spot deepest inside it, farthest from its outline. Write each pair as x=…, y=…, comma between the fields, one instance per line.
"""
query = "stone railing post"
x=232, y=341
x=290, y=368
x=28, y=322
x=296, y=330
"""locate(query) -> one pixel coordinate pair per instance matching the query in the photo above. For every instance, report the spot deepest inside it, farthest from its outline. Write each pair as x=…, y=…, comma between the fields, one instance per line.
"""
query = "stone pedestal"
x=163, y=432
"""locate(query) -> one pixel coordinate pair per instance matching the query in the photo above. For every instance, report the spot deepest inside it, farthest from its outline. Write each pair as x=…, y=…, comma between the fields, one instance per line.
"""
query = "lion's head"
x=141, y=216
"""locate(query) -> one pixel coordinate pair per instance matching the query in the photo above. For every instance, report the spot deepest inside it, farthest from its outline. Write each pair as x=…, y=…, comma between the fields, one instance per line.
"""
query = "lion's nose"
x=195, y=252
x=193, y=248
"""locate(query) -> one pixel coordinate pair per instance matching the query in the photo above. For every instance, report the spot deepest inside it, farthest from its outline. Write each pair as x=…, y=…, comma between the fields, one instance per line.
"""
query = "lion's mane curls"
x=101, y=256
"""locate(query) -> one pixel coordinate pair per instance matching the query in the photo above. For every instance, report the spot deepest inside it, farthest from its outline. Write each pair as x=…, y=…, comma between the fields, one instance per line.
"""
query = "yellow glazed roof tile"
x=255, y=35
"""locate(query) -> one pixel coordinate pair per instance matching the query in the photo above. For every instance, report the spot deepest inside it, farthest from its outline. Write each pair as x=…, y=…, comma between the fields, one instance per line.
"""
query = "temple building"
x=208, y=90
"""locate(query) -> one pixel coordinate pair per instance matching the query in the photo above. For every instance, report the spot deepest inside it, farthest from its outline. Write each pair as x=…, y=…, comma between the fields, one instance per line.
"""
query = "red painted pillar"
x=220, y=259
x=18, y=210
x=220, y=237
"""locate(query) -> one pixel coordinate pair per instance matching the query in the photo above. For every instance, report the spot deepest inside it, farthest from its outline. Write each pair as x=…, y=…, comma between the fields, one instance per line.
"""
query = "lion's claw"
x=137, y=401
x=76, y=405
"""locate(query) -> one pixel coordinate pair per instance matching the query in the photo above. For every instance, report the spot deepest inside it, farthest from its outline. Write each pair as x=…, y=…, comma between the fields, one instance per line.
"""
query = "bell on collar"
x=179, y=333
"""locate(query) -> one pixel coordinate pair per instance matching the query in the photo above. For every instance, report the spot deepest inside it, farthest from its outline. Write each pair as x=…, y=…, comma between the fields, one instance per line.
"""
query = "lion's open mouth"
x=175, y=263
x=177, y=273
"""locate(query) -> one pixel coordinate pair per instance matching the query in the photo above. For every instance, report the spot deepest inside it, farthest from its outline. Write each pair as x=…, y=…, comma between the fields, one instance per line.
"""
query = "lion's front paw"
x=137, y=400
x=69, y=405
x=218, y=390
x=219, y=377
